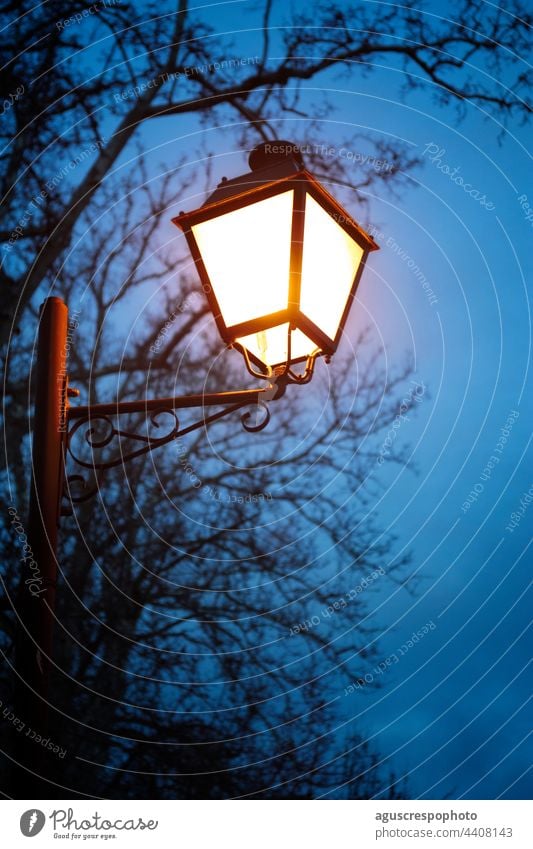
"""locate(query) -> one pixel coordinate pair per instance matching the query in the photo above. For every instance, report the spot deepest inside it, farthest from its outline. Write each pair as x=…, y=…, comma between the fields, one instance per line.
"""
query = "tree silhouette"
x=101, y=77
x=195, y=657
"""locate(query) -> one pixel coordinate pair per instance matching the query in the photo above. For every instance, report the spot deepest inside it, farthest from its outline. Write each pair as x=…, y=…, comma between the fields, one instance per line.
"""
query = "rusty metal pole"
x=36, y=603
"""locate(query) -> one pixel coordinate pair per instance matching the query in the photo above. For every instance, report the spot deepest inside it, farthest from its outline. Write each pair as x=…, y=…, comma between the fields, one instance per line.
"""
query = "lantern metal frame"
x=286, y=174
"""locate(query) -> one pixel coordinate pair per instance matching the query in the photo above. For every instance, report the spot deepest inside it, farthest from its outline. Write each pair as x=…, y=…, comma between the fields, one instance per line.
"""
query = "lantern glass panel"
x=270, y=346
x=246, y=254
x=329, y=265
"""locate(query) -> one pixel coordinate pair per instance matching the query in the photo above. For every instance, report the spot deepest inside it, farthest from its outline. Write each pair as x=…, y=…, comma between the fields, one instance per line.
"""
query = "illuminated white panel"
x=247, y=257
x=270, y=346
x=330, y=261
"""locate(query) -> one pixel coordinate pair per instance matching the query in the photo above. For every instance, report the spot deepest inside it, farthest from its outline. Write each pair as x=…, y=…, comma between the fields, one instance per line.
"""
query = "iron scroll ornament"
x=77, y=488
x=100, y=432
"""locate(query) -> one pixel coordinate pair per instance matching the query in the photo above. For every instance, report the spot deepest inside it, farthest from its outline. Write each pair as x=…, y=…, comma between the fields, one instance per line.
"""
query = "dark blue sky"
x=449, y=287
x=460, y=723
x=452, y=714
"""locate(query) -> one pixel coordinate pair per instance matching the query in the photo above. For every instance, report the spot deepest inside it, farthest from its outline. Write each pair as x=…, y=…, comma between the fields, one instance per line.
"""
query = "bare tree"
x=169, y=587
x=193, y=654
x=86, y=90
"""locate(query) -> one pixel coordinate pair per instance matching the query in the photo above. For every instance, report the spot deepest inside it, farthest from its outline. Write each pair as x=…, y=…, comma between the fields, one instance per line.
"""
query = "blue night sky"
x=453, y=715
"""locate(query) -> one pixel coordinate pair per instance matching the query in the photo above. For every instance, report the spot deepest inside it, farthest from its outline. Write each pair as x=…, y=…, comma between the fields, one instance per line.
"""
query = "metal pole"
x=36, y=603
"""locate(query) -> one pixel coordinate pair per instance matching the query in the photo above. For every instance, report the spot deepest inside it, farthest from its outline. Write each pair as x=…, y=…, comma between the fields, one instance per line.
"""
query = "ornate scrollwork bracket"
x=107, y=445
x=95, y=444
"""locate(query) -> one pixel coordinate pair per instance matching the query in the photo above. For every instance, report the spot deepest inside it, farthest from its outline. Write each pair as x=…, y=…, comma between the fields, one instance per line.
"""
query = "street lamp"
x=280, y=262
x=279, y=259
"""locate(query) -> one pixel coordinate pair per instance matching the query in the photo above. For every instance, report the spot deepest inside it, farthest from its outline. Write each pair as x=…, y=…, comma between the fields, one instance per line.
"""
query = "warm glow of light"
x=247, y=257
x=270, y=346
x=330, y=261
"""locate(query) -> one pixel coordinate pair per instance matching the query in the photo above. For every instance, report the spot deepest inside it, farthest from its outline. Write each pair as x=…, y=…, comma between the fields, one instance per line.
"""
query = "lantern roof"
x=269, y=167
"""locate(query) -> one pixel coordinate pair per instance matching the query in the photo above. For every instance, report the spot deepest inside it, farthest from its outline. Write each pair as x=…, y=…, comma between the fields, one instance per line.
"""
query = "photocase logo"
x=32, y=822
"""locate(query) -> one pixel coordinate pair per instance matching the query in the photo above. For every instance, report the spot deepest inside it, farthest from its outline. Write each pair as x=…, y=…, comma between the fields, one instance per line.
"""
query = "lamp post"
x=279, y=260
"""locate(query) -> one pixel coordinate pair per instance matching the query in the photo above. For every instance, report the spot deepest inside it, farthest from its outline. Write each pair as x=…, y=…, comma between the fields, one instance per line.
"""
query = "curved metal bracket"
x=98, y=437
x=266, y=375
x=281, y=375
x=99, y=433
